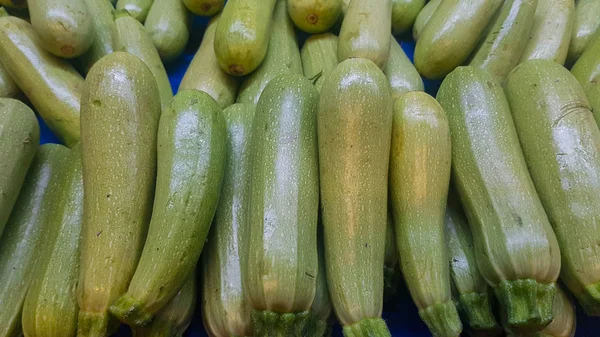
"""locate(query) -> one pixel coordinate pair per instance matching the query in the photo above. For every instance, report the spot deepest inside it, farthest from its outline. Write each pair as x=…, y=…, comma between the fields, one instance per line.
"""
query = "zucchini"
x=314, y=16
x=168, y=25
x=355, y=173
x=282, y=57
x=587, y=71
x=24, y=234
x=204, y=7
x=365, y=31
x=225, y=310
x=404, y=14
x=319, y=57
x=120, y=111
x=240, y=51
x=137, y=8
x=515, y=247
x=391, y=267
x=561, y=144
x=284, y=204
x=319, y=322
x=451, y=35
x=52, y=85
x=551, y=31
x=50, y=307
x=500, y=51
x=419, y=180
x=565, y=321
x=133, y=39
x=19, y=139
x=8, y=87
x=105, y=34
x=18, y=4
x=205, y=74
x=401, y=73
x=423, y=18
x=192, y=145
x=585, y=26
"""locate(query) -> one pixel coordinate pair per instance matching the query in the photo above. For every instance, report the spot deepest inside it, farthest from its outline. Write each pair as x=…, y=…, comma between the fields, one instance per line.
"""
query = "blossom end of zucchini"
x=130, y=311
x=478, y=311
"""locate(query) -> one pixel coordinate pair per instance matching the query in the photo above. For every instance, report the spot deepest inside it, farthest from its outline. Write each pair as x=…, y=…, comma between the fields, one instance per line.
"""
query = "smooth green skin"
x=561, y=144
x=225, y=310
x=133, y=39
x=565, y=321
x=204, y=7
x=355, y=173
x=423, y=18
x=241, y=51
x=19, y=4
x=8, y=87
x=192, y=147
x=404, y=14
x=120, y=111
x=314, y=16
x=500, y=200
x=137, y=8
x=64, y=27
x=50, y=308
x=205, y=74
x=168, y=25
x=551, y=31
x=365, y=31
x=401, y=73
x=585, y=26
x=501, y=50
x=284, y=201
x=52, y=85
x=19, y=139
x=25, y=233
x=587, y=71
x=451, y=35
x=105, y=34
x=283, y=57
x=319, y=57
x=321, y=310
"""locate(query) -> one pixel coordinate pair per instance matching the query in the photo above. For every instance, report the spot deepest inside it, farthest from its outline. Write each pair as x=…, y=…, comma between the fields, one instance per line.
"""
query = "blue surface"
x=402, y=317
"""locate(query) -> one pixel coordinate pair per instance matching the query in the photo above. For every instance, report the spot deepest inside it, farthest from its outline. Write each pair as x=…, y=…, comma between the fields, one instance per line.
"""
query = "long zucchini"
x=587, y=71
x=401, y=73
x=168, y=25
x=319, y=57
x=585, y=26
x=423, y=18
x=105, y=34
x=314, y=16
x=404, y=14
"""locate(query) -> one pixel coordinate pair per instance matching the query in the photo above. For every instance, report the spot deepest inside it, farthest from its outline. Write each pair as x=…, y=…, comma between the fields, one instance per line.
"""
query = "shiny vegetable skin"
x=515, y=247
x=561, y=144
x=241, y=51
x=284, y=205
x=24, y=232
x=192, y=145
x=19, y=139
x=585, y=26
x=168, y=24
x=355, y=173
x=319, y=57
x=204, y=7
x=565, y=321
x=120, y=111
x=404, y=14
x=314, y=16
x=451, y=35
x=137, y=8
x=423, y=18
x=225, y=309
x=401, y=73
x=587, y=71
x=52, y=85
x=50, y=308
x=105, y=34
x=8, y=87
x=365, y=31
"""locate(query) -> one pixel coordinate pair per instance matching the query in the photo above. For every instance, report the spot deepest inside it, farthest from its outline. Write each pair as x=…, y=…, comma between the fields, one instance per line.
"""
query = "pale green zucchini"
x=137, y=8
x=585, y=26
x=319, y=57
x=168, y=25
x=404, y=14
x=587, y=71
x=8, y=87
x=423, y=18
x=204, y=7
x=314, y=16
x=105, y=34
x=401, y=73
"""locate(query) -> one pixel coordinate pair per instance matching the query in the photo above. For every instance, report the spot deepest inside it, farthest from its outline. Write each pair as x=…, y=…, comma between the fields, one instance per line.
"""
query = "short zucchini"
x=168, y=25
x=138, y=9
x=314, y=16
x=204, y=7
x=404, y=14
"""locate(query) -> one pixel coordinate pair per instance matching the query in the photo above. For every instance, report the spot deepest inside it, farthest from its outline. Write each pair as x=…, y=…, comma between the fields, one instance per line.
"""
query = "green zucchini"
x=192, y=145
x=451, y=35
x=168, y=25
x=24, y=234
x=314, y=16
x=225, y=310
x=19, y=139
x=137, y=8
x=105, y=34
x=515, y=247
x=419, y=180
x=133, y=39
x=587, y=71
x=52, y=85
x=355, y=173
x=282, y=262
x=391, y=267
x=18, y=4
x=401, y=73
x=205, y=74
x=319, y=57
x=561, y=144
x=120, y=111
x=50, y=307
x=423, y=18
x=282, y=57
x=319, y=321
x=500, y=51
x=585, y=26
x=565, y=321
x=8, y=87
x=551, y=31
x=241, y=51
x=204, y=7
x=404, y=14
x=365, y=31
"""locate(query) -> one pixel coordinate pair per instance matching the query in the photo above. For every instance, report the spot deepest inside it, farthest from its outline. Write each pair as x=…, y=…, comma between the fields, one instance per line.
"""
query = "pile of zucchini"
x=290, y=184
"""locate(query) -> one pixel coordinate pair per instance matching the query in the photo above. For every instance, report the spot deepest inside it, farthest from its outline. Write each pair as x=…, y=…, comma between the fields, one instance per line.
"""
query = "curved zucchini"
x=355, y=173
x=365, y=31
x=565, y=321
x=401, y=73
x=105, y=34
x=8, y=87
x=314, y=16
x=120, y=111
x=515, y=247
x=585, y=26
x=204, y=7
x=240, y=51
x=561, y=144
x=19, y=139
x=138, y=9
x=423, y=18
x=52, y=85
x=404, y=14
x=319, y=57
x=225, y=310
x=168, y=25
x=284, y=204
x=282, y=57
x=587, y=71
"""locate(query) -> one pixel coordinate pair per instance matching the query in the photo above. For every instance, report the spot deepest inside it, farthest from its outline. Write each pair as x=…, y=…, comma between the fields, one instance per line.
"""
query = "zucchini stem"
x=130, y=311
x=272, y=324
x=528, y=304
x=367, y=327
x=442, y=319
x=478, y=311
